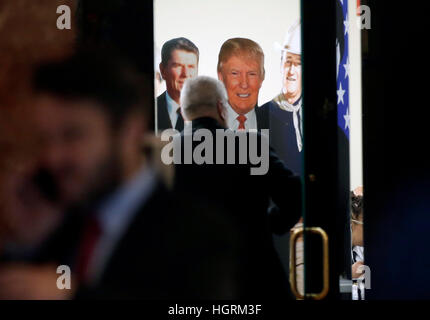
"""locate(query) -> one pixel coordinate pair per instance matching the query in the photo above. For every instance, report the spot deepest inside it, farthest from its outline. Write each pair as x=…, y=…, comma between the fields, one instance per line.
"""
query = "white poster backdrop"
x=209, y=23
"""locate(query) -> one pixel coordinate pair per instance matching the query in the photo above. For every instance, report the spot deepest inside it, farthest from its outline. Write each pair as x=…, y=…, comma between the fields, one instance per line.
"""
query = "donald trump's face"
x=242, y=77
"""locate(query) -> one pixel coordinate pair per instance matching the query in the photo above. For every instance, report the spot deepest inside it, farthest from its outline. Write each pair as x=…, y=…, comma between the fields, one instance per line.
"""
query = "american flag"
x=342, y=80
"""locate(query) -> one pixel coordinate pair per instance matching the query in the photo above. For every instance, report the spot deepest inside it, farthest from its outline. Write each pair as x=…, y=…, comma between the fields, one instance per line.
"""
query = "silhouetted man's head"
x=205, y=97
x=91, y=118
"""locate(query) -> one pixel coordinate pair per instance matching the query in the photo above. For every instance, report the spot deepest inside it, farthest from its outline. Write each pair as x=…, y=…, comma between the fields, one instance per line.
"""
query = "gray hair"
x=201, y=95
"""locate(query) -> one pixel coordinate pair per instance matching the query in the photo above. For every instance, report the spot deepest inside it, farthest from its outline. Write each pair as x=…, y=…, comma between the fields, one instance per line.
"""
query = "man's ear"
x=219, y=109
x=222, y=112
x=162, y=70
x=220, y=78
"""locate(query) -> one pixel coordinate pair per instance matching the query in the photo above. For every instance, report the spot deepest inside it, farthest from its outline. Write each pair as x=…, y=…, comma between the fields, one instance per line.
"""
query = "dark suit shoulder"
x=273, y=111
x=163, y=118
x=268, y=105
x=162, y=98
x=262, y=114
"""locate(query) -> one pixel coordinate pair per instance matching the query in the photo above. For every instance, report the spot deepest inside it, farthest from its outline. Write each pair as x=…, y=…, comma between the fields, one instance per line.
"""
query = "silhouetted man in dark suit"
x=236, y=189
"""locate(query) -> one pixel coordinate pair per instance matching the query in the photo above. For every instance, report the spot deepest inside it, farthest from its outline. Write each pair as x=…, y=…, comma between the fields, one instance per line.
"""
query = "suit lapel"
x=262, y=115
x=162, y=114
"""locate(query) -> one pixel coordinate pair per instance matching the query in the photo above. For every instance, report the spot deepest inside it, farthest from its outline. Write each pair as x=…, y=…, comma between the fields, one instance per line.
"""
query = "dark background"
x=396, y=164
x=125, y=26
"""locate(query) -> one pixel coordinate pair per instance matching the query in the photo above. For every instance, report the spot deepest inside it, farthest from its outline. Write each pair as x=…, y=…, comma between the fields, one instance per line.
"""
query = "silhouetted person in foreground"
x=124, y=235
x=240, y=194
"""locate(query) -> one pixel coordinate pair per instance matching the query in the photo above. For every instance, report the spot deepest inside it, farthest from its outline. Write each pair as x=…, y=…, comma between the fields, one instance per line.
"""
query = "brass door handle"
x=293, y=275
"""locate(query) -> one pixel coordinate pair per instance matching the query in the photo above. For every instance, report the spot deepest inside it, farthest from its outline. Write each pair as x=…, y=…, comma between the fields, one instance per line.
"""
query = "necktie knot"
x=241, y=118
x=180, y=120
